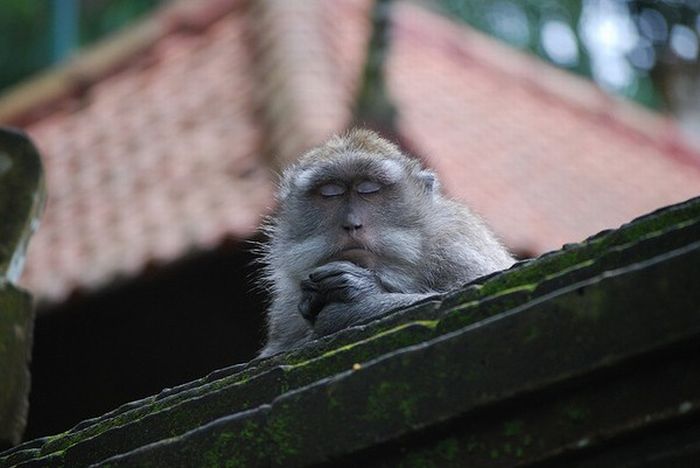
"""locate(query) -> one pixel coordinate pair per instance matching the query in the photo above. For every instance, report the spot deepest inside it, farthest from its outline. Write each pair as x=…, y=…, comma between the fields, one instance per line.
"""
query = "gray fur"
x=414, y=241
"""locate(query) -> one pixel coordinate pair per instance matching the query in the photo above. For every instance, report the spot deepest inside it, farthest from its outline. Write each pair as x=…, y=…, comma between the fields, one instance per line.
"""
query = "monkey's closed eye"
x=331, y=190
x=368, y=186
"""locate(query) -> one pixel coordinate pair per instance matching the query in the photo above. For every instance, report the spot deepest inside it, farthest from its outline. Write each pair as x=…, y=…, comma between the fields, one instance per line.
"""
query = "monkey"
x=362, y=229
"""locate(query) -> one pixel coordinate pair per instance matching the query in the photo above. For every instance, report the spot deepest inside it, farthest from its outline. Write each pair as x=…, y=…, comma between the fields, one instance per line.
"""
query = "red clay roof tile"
x=157, y=161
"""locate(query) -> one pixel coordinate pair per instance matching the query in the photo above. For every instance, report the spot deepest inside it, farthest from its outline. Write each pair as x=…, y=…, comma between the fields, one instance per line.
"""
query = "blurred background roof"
x=165, y=139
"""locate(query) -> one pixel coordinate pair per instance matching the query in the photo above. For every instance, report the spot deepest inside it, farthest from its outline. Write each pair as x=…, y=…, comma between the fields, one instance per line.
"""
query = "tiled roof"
x=308, y=58
x=154, y=161
x=582, y=357
x=173, y=150
x=545, y=156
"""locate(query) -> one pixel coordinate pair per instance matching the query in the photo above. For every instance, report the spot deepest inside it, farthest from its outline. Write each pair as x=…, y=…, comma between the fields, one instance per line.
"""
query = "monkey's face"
x=360, y=208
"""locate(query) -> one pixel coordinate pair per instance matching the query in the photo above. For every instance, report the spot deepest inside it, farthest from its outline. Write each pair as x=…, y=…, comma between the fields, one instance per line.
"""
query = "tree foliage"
x=27, y=32
x=25, y=42
x=624, y=45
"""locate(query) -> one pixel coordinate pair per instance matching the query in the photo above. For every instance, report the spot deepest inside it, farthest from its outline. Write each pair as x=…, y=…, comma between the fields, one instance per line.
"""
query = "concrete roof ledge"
x=610, y=314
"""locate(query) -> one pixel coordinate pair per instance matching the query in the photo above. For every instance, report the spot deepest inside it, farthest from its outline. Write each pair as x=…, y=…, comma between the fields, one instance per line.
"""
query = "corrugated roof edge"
x=36, y=97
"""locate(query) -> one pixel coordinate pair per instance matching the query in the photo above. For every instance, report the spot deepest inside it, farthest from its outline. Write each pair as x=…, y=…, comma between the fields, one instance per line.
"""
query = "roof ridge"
x=566, y=88
x=31, y=99
x=295, y=74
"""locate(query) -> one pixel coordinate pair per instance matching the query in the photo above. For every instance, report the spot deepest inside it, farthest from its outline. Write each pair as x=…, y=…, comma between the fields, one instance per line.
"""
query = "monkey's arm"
x=337, y=316
x=285, y=330
x=340, y=294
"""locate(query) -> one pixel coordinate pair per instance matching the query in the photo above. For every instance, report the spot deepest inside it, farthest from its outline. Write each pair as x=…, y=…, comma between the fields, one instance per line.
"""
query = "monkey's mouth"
x=357, y=255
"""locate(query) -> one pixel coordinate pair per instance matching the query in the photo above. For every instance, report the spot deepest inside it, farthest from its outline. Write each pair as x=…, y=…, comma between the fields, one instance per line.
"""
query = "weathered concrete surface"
x=578, y=316
x=590, y=328
x=21, y=200
x=22, y=197
x=16, y=331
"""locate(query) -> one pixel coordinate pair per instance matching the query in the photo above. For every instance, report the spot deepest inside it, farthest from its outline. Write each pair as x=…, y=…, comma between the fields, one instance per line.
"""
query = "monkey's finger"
x=335, y=269
x=309, y=286
x=341, y=281
x=316, y=303
x=305, y=308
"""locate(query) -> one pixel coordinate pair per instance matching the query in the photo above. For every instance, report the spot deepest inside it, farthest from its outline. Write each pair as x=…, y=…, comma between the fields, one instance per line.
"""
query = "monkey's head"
x=355, y=198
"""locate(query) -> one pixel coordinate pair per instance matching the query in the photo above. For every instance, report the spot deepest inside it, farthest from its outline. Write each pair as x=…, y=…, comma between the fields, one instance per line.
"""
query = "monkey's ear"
x=430, y=180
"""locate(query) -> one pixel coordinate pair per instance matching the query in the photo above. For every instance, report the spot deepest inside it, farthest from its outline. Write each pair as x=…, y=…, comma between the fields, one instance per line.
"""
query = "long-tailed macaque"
x=362, y=229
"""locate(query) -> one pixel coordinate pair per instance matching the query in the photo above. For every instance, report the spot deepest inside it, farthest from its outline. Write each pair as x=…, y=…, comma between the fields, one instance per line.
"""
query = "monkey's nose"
x=352, y=226
x=352, y=221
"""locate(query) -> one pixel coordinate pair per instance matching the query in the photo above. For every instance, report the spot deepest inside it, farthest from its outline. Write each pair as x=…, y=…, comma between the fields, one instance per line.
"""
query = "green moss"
x=252, y=434
x=657, y=222
x=22, y=196
x=533, y=333
x=501, y=294
x=472, y=374
x=430, y=324
x=16, y=326
x=407, y=406
x=583, y=254
x=462, y=296
x=418, y=460
x=377, y=408
x=448, y=449
x=530, y=274
x=68, y=439
x=286, y=439
x=445, y=453
x=222, y=453
x=592, y=304
x=526, y=287
x=228, y=381
x=575, y=267
x=345, y=357
x=183, y=417
x=476, y=311
x=385, y=398
x=464, y=309
x=575, y=414
x=180, y=420
x=512, y=428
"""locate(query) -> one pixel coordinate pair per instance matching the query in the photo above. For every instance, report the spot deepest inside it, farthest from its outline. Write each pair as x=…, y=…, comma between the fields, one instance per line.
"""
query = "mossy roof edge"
x=488, y=361
x=656, y=225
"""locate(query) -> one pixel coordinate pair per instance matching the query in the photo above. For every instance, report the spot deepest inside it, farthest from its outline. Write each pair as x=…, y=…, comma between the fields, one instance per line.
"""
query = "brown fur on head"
x=358, y=140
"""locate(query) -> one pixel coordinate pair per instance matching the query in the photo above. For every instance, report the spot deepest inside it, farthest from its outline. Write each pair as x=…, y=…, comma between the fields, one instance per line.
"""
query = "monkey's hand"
x=335, y=282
